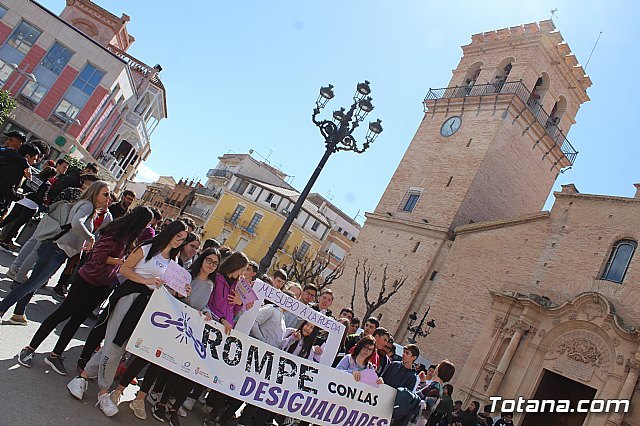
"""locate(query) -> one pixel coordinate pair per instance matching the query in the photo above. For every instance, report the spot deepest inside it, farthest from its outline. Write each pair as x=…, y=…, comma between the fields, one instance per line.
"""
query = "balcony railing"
x=209, y=192
x=223, y=173
x=198, y=212
x=511, y=88
x=243, y=225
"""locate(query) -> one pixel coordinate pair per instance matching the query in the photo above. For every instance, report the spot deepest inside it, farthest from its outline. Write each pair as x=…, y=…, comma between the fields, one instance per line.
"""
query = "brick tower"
x=489, y=147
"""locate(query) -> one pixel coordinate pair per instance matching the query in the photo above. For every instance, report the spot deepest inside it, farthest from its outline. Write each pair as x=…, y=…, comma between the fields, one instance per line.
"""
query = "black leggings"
x=17, y=217
x=153, y=374
x=81, y=300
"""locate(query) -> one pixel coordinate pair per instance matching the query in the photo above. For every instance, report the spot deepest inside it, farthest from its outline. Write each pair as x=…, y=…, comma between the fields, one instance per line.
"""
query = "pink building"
x=76, y=86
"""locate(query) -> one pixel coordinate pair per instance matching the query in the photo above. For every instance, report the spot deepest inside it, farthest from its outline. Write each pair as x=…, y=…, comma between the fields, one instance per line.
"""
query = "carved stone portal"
x=582, y=346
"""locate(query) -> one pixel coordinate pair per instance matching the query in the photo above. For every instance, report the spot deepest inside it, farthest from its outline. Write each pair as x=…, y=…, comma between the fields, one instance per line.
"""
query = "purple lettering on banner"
x=373, y=420
x=341, y=414
x=260, y=391
x=248, y=386
x=364, y=419
x=319, y=413
x=353, y=417
x=308, y=406
x=327, y=417
x=291, y=407
x=273, y=396
x=284, y=399
x=383, y=422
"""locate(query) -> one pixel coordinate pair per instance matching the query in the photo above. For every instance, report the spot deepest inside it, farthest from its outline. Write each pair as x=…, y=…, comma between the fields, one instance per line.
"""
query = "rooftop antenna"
x=553, y=13
x=329, y=195
x=355, y=218
x=266, y=159
x=590, y=54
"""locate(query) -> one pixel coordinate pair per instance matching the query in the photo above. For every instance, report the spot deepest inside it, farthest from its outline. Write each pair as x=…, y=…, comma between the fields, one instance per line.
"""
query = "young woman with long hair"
x=359, y=359
x=203, y=272
x=90, y=287
x=53, y=253
x=143, y=270
x=300, y=341
x=224, y=302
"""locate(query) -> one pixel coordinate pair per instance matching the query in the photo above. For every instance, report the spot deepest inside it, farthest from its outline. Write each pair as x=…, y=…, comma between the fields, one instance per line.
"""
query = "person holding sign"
x=300, y=341
x=225, y=303
x=91, y=285
x=143, y=269
x=360, y=360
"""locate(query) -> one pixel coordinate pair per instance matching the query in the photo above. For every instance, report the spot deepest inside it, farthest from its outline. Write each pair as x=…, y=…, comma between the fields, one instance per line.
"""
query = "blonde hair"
x=92, y=192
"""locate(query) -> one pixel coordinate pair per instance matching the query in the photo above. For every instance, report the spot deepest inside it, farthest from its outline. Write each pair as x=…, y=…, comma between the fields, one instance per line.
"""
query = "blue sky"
x=244, y=75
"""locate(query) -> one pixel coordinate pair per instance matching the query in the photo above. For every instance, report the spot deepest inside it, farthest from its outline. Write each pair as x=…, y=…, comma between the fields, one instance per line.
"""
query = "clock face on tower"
x=450, y=126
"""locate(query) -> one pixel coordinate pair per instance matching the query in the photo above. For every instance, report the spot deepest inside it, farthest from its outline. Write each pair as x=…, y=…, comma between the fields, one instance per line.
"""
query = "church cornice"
x=410, y=226
x=594, y=197
x=503, y=223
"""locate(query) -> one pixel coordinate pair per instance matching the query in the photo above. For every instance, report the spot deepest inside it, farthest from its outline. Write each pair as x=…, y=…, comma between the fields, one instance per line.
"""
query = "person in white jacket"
x=269, y=326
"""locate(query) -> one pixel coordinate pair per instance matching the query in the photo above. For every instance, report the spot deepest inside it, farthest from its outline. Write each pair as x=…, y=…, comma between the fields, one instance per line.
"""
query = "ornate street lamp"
x=417, y=330
x=337, y=134
x=16, y=68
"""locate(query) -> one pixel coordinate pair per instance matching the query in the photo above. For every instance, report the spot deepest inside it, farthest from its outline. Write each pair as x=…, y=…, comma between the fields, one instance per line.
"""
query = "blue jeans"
x=50, y=259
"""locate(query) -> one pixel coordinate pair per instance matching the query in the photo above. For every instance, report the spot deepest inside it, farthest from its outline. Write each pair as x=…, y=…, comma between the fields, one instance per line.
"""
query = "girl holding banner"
x=143, y=270
x=91, y=285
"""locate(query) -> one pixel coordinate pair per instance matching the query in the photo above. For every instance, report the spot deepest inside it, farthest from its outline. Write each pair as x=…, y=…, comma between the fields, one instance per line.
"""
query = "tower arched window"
x=619, y=260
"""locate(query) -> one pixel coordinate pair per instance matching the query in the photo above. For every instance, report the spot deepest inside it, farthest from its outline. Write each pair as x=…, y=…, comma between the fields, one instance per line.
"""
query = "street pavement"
x=38, y=395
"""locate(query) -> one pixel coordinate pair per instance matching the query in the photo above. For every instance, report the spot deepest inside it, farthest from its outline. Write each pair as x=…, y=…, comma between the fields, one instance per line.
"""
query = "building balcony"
x=517, y=88
x=244, y=226
x=109, y=163
x=209, y=192
x=220, y=173
x=197, y=212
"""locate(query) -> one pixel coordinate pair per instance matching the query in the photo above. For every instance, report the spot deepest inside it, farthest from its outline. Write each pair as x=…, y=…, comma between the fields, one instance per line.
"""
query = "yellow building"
x=249, y=214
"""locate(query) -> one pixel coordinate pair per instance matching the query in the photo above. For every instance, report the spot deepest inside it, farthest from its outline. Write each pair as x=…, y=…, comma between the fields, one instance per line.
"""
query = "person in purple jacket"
x=225, y=302
x=90, y=287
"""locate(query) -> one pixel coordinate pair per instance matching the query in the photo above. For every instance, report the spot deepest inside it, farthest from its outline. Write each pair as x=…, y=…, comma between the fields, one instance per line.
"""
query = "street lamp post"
x=16, y=68
x=337, y=134
x=68, y=121
x=417, y=330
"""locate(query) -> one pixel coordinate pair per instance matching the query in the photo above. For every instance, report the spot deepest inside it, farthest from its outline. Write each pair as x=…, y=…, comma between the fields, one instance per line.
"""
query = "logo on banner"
x=185, y=332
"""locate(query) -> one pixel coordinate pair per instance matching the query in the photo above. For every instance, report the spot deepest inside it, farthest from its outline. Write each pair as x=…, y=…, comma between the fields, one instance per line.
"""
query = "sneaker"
x=138, y=407
x=77, y=387
x=115, y=396
x=210, y=422
x=60, y=291
x=18, y=320
x=107, y=406
x=182, y=412
x=56, y=364
x=174, y=418
x=11, y=274
x=188, y=404
x=25, y=357
x=206, y=409
x=159, y=411
x=10, y=246
x=153, y=397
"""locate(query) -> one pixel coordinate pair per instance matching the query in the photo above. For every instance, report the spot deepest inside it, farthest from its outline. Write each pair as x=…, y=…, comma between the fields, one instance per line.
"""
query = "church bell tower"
x=489, y=147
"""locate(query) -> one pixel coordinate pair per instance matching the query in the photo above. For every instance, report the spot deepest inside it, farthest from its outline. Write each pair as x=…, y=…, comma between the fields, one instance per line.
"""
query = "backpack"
x=55, y=223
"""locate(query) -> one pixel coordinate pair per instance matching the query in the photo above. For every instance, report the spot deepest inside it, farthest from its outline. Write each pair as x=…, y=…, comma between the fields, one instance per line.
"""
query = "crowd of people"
x=115, y=259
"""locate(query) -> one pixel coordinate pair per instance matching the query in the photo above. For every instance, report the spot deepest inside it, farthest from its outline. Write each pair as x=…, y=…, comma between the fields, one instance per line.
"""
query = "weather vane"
x=553, y=12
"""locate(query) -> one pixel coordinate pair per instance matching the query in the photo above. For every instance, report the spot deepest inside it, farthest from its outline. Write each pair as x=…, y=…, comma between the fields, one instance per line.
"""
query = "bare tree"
x=384, y=294
x=309, y=270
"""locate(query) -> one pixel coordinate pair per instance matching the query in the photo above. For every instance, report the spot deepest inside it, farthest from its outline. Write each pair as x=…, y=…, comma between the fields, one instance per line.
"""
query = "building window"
x=57, y=58
x=77, y=95
x=236, y=214
x=23, y=37
x=242, y=243
x=5, y=71
x=302, y=251
x=315, y=226
x=239, y=186
x=619, y=260
x=33, y=94
x=410, y=200
x=255, y=220
x=269, y=197
x=3, y=11
x=251, y=190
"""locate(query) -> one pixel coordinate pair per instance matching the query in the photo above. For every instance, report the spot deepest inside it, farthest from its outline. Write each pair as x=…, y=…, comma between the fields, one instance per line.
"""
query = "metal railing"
x=223, y=173
x=197, y=212
x=208, y=192
x=511, y=88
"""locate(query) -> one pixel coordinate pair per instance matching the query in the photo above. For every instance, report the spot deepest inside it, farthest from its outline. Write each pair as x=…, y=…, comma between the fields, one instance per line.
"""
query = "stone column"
x=628, y=387
x=519, y=328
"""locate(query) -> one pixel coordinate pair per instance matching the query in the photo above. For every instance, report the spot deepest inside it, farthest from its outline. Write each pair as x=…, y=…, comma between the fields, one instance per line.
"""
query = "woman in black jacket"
x=24, y=209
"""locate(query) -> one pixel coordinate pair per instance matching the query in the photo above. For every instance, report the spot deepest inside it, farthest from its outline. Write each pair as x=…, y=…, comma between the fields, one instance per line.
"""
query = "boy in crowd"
x=370, y=326
x=279, y=279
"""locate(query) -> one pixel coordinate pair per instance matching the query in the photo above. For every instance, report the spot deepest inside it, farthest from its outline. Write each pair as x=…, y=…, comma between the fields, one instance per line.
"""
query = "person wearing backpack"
x=91, y=286
x=76, y=235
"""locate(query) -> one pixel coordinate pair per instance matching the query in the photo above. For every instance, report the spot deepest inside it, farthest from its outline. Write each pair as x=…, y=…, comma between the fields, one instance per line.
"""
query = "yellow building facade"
x=249, y=222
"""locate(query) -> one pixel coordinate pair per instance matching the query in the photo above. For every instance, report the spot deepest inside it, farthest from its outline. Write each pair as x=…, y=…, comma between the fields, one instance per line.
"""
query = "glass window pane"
x=3, y=11
x=619, y=261
x=5, y=72
x=23, y=37
x=57, y=58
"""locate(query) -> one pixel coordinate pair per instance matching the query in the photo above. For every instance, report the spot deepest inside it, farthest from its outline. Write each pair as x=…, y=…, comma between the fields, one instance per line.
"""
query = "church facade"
x=527, y=302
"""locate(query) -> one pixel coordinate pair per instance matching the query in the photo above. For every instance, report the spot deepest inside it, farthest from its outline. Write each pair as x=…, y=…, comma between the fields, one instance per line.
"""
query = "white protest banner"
x=176, y=337
x=177, y=278
x=266, y=291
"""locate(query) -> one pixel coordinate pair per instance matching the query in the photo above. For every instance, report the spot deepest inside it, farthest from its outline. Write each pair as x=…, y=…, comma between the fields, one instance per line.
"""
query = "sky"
x=245, y=75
